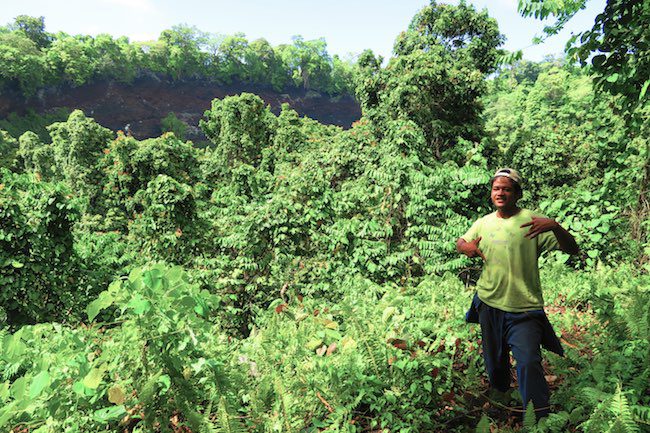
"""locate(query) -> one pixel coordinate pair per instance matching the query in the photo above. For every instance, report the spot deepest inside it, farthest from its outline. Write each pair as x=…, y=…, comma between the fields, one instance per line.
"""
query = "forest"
x=31, y=58
x=298, y=277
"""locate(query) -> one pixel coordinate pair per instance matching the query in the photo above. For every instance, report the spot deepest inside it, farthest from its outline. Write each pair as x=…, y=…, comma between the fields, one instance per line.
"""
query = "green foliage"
x=21, y=63
x=322, y=288
x=376, y=357
x=239, y=127
x=36, y=157
x=33, y=28
x=31, y=58
x=171, y=123
x=16, y=125
x=439, y=63
x=165, y=357
x=585, y=167
x=620, y=63
x=8, y=149
x=68, y=59
x=39, y=273
x=76, y=146
x=166, y=226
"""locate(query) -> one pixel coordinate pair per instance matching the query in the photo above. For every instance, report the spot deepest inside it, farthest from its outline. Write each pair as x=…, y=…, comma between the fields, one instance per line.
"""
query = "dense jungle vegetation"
x=31, y=58
x=296, y=277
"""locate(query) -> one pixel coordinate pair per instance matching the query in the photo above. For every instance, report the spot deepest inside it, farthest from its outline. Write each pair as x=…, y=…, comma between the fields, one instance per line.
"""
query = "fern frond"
x=483, y=425
x=556, y=421
x=227, y=422
x=621, y=409
x=641, y=414
x=529, y=417
x=283, y=397
x=370, y=345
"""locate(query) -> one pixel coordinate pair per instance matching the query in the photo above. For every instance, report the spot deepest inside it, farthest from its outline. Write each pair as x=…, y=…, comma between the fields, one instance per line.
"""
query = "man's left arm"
x=565, y=240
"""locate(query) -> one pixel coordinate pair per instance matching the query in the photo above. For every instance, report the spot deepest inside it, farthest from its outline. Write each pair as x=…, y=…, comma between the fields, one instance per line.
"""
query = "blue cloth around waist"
x=549, y=338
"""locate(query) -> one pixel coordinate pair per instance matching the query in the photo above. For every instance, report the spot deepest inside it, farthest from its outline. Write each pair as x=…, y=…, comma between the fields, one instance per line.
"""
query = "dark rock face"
x=142, y=104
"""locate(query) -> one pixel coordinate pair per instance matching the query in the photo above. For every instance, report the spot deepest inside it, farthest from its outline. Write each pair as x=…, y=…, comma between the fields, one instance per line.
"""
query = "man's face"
x=504, y=194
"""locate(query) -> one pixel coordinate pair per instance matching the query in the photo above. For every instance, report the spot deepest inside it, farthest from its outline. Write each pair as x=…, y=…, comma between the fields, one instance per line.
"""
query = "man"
x=508, y=303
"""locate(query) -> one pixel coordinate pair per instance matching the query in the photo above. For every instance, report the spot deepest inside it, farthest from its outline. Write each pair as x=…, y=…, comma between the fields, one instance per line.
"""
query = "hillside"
x=143, y=104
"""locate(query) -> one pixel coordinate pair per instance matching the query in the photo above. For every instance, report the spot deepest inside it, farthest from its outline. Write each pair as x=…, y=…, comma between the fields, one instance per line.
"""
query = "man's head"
x=506, y=188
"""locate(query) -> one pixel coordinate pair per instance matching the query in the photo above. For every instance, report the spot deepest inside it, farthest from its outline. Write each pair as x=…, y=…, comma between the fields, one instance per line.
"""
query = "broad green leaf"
x=18, y=388
x=595, y=237
x=330, y=324
x=388, y=312
x=79, y=388
x=175, y=274
x=39, y=383
x=7, y=412
x=313, y=344
x=139, y=305
x=13, y=347
x=165, y=381
x=644, y=89
x=153, y=279
x=612, y=78
x=104, y=300
x=348, y=343
x=17, y=264
x=4, y=391
x=110, y=413
x=93, y=378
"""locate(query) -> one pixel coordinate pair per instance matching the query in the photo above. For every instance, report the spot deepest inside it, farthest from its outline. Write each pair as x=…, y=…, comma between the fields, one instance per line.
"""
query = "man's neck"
x=507, y=213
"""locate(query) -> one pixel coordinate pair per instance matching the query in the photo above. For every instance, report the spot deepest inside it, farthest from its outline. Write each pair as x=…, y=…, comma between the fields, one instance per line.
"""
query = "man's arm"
x=565, y=239
x=470, y=249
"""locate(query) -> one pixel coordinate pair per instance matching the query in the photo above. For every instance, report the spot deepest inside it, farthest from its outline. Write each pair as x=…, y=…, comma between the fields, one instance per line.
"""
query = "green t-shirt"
x=510, y=277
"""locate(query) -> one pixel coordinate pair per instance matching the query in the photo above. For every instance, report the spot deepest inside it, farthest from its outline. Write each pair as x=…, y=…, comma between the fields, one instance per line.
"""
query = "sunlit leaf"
x=93, y=378
x=109, y=413
x=39, y=383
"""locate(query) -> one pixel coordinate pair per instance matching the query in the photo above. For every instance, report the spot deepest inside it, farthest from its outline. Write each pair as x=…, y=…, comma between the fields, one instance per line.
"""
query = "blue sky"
x=349, y=26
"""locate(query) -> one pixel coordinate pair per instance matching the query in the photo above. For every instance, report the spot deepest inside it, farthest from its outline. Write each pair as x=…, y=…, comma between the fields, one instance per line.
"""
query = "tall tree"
x=617, y=46
x=34, y=29
x=436, y=77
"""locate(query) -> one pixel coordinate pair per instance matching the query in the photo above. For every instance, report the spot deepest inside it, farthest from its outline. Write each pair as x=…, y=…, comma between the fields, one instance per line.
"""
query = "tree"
x=35, y=156
x=264, y=66
x=240, y=127
x=113, y=59
x=8, y=149
x=171, y=123
x=77, y=145
x=343, y=72
x=232, y=53
x=309, y=62
x=34, y=29
x=68, y=59
x=436, y=78
x=21, y=63
x=616, y=46
x=465, y=35
x=183, y=47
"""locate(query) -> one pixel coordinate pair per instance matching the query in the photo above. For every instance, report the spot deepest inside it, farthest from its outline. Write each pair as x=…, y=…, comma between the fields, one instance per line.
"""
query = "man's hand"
x=565, y=239
x=470, y=249
x=539, y=226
